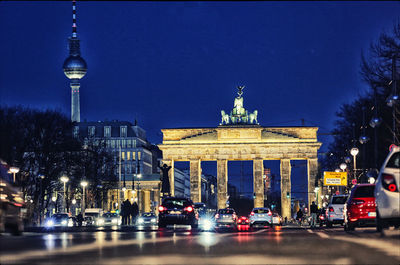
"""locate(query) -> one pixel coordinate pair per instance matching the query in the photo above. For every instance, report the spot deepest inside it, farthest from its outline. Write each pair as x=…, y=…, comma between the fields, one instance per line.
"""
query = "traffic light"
x=287, y=195
x=254, y=195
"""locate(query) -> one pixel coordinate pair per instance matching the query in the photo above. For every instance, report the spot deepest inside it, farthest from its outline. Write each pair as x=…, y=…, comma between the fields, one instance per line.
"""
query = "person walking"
x=79, y=219
x=314, y=212
x=126, y=208
x=134, y=212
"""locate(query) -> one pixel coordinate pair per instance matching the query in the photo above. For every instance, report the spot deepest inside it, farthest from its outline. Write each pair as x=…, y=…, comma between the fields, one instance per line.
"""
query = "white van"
x=96, y=214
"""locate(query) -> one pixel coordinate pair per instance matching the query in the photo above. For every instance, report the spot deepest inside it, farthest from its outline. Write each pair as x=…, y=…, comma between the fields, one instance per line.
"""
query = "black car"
x=174, y=210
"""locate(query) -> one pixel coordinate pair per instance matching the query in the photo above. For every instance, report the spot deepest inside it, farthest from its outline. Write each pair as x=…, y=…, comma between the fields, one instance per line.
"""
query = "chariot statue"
x=238, y=115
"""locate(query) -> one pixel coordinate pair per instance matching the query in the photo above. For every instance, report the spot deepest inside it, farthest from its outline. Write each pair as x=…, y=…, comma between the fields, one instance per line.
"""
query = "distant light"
x=73, y=201
x=371, y=180
x=343, y=166
x=354, y=151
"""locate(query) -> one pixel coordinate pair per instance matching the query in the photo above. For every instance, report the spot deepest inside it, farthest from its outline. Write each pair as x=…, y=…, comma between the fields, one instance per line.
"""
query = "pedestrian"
x=314, y=212
x=299, y=216
x=126, y=209
x=79, y=219
x=134, y=212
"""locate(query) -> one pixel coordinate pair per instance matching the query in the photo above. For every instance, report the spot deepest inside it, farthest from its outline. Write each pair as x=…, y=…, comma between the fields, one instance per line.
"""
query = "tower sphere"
x=75, y=67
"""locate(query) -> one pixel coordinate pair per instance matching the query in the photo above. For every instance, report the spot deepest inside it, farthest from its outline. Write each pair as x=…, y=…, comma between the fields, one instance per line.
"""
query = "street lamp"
x=354, y=152
x=343, y=166
x=64, y=179
x=14, y=170
x=84, y=183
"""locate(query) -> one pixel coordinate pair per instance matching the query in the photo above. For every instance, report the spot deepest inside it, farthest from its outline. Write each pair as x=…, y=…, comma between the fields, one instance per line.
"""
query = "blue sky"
x=177, y=64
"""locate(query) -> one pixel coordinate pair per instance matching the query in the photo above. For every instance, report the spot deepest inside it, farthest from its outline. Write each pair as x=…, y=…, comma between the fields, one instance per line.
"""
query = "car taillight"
x=321, y=217
x=161, y=208
x=357, y=202
x=331, y=209
x=269, y=213
x=217, y=216
x=252, y=213
x=389, y=183
x=247, y=220
x=188, y=209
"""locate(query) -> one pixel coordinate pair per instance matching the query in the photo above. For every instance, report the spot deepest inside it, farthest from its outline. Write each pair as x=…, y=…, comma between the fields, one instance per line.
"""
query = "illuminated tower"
x=74, y=68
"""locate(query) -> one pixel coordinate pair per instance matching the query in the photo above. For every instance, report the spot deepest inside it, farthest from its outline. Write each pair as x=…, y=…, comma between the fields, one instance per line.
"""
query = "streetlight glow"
x=13, y=170
x=354, y=151
x=343, y=166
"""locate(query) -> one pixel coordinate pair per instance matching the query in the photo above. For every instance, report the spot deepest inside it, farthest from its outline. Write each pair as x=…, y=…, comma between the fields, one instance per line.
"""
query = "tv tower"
x=74, y=68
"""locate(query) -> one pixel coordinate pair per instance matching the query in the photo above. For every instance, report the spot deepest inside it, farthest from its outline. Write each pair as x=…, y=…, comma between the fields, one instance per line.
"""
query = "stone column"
x=157, y=199
x=312, y=171
x=171, y=175
x=195, y=180
x=146, y=201
x=285, y=188
x=258, y=169
x=222, y=183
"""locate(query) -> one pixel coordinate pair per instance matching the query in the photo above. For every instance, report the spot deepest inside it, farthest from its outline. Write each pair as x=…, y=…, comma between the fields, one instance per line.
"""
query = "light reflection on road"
x=49, y=241
x=207, y=239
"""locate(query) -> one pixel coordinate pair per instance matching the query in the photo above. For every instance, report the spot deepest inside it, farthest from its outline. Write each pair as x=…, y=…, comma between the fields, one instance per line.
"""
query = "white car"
x=387, y=194
x=334, y=211
x=260, y=217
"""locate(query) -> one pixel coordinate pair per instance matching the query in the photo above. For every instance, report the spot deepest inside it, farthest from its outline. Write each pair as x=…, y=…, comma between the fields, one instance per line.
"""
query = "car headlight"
x=64, y=222
x=100, y=221
x=140, y=221
x=70, y=223
x=153, y=220
x=208, y=224
x=49, y=223
x=114, y=220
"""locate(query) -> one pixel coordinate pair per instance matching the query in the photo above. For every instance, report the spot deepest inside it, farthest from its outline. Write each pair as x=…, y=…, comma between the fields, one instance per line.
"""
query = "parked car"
x=89, y=221
x=11, y=209
x=387, y=191
x=147, y=220
x=57, y=220
x=261, y=217
x=110, y=219
x=226, y=218
x=334, y=211
x=360, y=209
x=175, y=210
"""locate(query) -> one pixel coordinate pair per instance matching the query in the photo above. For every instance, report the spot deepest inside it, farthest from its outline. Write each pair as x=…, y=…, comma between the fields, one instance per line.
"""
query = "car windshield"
x=109, y=215
x=364, y=191
x=260, y=210
x=225, y=211
x=60, y=216
x=339, y=200
x=394, y=161
x=148, y=215
x=176, y=203
x=92, y=214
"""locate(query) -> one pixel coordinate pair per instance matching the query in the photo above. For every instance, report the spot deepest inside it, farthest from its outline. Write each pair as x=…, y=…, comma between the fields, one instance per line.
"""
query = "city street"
x=281, y=245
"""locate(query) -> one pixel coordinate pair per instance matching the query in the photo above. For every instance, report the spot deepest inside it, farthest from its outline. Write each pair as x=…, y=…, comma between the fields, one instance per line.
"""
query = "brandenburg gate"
x=240, y=137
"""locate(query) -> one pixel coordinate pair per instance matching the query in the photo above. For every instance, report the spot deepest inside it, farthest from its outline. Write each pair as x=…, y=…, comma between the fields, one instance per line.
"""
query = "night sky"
x=177, y=64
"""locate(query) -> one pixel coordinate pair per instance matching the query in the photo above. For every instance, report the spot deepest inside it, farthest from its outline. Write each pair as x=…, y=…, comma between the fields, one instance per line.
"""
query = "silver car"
x=260, y=217
x=147, y=220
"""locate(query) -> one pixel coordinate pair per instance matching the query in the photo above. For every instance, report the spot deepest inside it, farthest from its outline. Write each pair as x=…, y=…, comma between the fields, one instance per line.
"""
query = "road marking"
x=320, y=234
x=384, y=246
x=231, y=259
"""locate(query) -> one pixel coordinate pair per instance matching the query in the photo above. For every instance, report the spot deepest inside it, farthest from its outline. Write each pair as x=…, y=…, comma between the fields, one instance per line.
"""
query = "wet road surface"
x=279, y=245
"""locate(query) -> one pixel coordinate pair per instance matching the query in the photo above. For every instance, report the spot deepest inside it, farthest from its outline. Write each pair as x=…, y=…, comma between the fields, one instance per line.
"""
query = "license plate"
x=372, y=214
x=175, y=212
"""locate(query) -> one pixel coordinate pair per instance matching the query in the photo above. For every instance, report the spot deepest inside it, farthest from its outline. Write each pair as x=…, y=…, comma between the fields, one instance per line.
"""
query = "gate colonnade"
x=242, y=142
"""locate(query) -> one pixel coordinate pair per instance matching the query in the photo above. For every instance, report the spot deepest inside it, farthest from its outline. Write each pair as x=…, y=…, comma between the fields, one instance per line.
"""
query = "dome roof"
x=75, y=67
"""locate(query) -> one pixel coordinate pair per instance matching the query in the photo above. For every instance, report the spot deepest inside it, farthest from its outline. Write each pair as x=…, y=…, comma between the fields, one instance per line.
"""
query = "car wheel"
x=194, y=225
x=328, y=224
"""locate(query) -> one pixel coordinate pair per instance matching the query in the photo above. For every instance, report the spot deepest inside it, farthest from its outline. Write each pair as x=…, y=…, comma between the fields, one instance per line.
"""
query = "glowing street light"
x=343, y=166
x=354, y=152
x=84, y=184
x=64, y=179
x=13, y=170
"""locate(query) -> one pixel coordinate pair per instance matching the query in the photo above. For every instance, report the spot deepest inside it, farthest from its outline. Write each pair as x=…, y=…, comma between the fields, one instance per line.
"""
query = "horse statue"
x=253, y=117
x=224, y=117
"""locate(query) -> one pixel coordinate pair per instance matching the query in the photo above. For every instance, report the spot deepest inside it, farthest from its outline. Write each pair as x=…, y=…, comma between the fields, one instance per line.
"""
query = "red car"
x=243, y=223
x=360, y=208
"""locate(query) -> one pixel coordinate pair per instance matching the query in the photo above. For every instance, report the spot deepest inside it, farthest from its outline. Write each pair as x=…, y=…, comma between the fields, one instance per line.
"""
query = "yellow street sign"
x=335, y=178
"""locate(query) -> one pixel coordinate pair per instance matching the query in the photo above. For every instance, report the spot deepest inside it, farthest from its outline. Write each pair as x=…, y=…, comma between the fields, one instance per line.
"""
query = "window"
x=128, y=155
x=107, y=131
x=123, y=130
x=394, y=161
x=128, y=143
x=76, y=131
x=123, y=155
x=123, y=143
x=91, y=131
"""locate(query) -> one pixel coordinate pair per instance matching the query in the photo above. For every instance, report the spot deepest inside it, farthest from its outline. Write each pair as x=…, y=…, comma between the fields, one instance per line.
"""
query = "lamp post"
x=14, y=170
x=64, y=179
x=84, y=183
x=343, y=166
x=354, y=152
